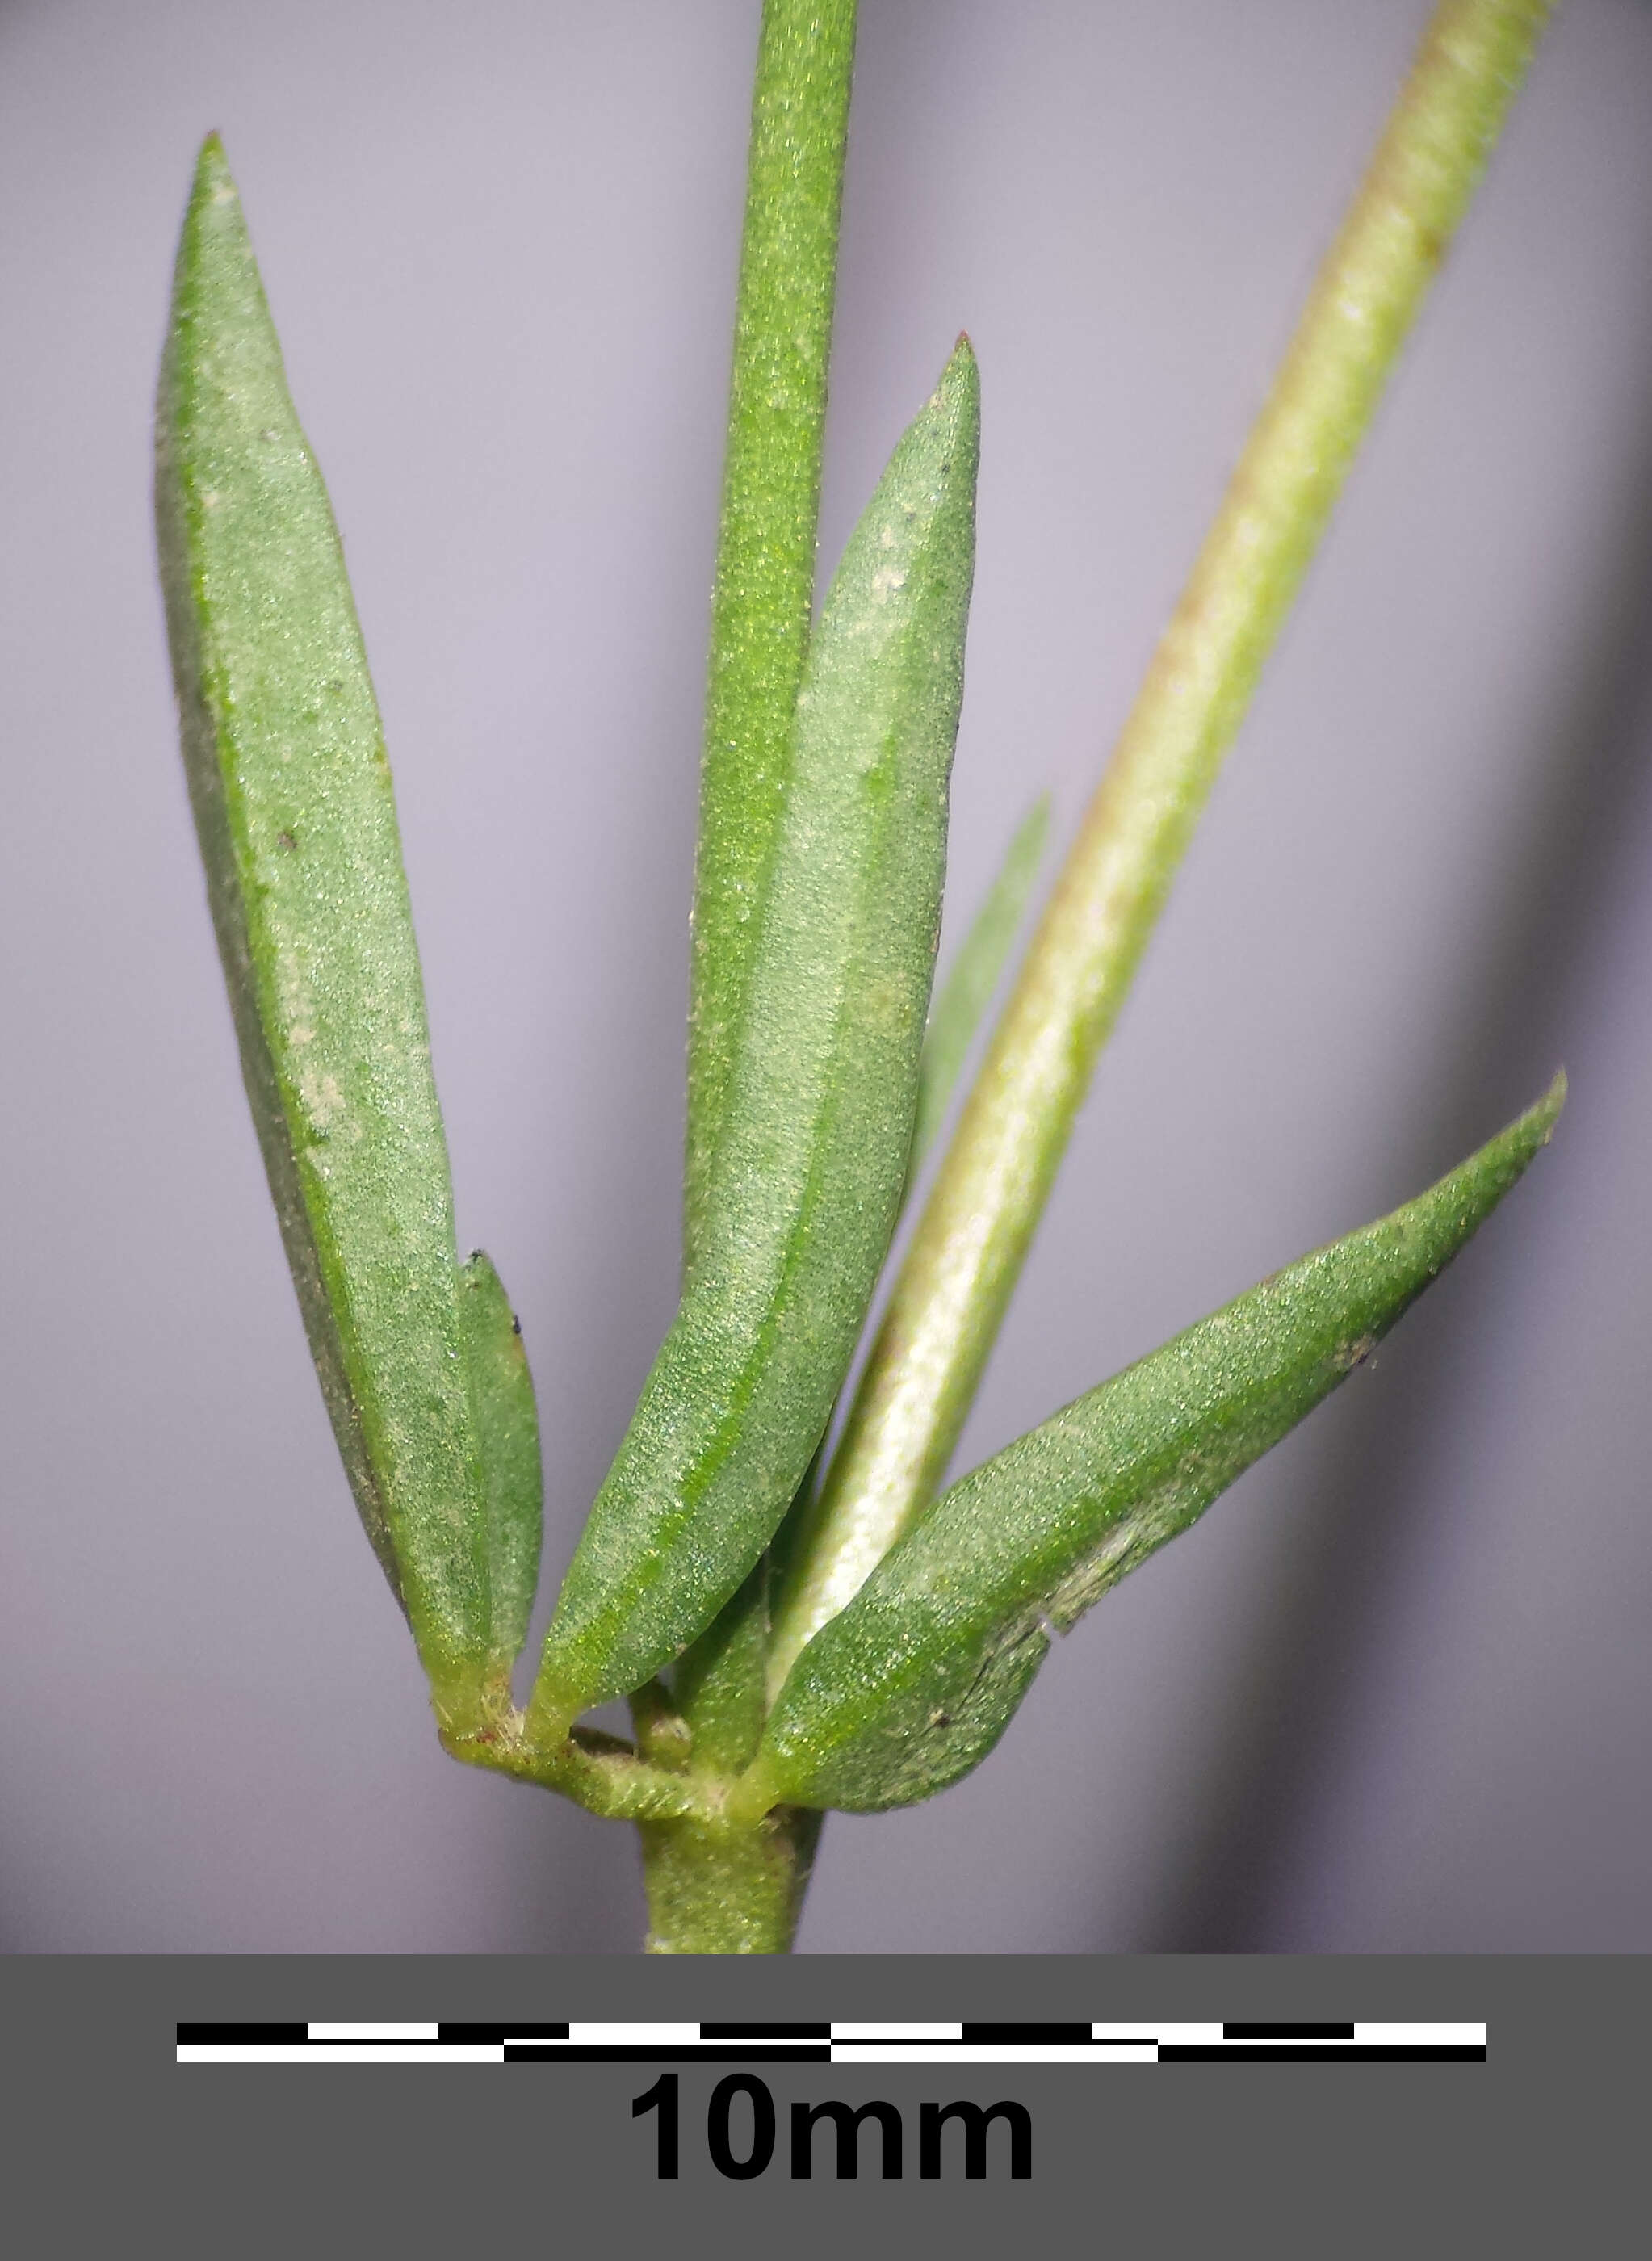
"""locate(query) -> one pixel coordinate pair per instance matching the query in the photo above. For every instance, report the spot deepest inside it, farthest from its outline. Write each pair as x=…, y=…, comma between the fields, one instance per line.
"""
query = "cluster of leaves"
x=829, y=1097
x=832, y=1639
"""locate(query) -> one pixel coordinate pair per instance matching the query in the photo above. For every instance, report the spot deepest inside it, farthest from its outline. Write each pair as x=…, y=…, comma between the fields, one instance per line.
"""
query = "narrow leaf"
x=798, y=1211
x=963, y=996
x=292, y=794
x=508, y=1423
x=915, y=1680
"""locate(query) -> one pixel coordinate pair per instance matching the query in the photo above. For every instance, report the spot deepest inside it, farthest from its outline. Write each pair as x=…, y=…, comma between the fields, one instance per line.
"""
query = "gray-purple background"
x=1395, y=1693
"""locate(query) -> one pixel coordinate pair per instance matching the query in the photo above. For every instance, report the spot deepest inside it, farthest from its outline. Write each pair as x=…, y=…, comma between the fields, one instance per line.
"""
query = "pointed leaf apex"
x=960, y=388
x=1514, y=1148
x=211, y=170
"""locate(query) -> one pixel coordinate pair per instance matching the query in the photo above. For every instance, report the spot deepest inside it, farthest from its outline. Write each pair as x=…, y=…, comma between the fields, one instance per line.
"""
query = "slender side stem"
x=980, y=1219
x=764, y=585
x=598, y=1771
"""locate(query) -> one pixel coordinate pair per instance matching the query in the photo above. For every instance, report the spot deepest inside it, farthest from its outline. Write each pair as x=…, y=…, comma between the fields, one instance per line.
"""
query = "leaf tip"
x=1532, y=1132
x=1034, y=828
x=213, y=223
x=213, y=176
x=951, y=419
x=961, y=380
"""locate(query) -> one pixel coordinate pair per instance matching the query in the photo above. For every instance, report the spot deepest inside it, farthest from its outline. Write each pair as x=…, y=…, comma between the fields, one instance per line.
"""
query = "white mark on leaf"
x=323, y=1100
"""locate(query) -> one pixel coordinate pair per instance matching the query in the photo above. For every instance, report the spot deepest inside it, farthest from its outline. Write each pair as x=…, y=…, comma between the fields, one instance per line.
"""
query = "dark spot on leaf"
x=285, y=840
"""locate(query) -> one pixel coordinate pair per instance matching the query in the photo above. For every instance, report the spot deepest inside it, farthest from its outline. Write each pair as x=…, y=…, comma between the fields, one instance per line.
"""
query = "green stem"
x=722, y=1888
x=764, y=585
x=598, y=1771
x=719, y=1682
x=712, y=1890
x=975, y=1230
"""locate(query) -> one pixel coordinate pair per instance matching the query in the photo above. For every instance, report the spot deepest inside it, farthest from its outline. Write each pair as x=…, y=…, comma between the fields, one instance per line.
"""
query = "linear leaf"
x=507, y=1422
x=291, y=793
x=965, y=995
x=915, y=1680
x=810, y=1166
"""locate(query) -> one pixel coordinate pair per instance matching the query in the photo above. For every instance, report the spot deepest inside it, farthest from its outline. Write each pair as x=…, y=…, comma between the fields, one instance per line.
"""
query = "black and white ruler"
x=841, y=2042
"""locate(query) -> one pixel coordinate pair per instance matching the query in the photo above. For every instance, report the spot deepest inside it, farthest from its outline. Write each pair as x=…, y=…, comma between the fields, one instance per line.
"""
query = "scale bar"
x=718, y=2032
x=1251, y=2032
x=1323, y=2052
x=966, y=2042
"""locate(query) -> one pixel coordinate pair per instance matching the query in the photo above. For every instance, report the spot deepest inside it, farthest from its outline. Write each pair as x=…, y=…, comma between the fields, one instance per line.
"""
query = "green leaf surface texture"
x=292, y=801
x=809, y=1170
x=962, y=997
x=508, y=1423
x=915, y=1680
